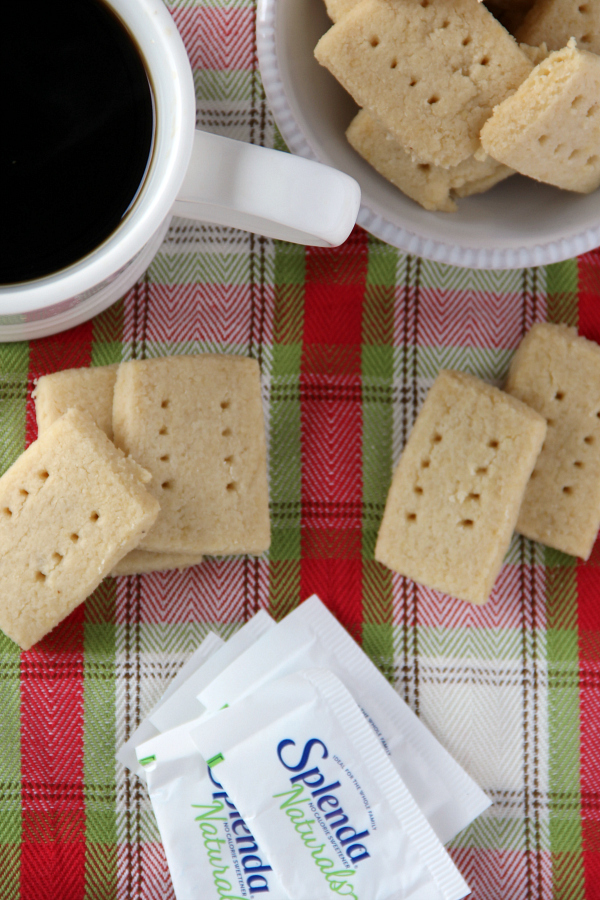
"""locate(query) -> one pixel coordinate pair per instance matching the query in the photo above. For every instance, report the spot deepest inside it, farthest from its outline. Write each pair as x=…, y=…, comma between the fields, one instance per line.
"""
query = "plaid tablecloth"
x=349, y=341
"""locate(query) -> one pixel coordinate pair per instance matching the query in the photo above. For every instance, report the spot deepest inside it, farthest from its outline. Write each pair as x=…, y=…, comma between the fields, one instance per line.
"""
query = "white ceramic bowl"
x=518, y=223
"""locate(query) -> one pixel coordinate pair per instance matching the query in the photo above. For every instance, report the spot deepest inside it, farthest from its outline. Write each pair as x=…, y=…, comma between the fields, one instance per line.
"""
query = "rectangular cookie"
x=456, y=493
x=557, y=373
x=90, y=390
x=550, y=128
x=142, y=562
x=431, y=186
x=196, y=423
x=554, y=22
x=429, y=72
x=71, y=507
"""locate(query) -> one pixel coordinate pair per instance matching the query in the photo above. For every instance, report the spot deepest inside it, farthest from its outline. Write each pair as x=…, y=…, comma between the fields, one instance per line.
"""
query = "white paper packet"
x=311, y=636
x=182, y=705
x=317, y=790
x=211, y=853
x=179, y=704
x=146, y=730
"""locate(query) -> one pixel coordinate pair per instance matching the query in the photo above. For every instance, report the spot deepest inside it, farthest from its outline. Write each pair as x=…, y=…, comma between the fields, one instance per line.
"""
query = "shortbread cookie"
x=196, y=423
x=70, y=508
x=456, y=492
x=142, y=562
x=535, y=54
x=90, y=390
x=430, y=186
x=556, y=21
x=550, y=129
x=430, y=72
x=558, y=374
x=338, y=8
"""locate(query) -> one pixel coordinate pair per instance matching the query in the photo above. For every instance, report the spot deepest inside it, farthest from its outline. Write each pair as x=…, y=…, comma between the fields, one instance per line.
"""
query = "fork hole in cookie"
x=164, y=430
x=232, y=487
x=7, y=512
x=437, y=438
x=413, y=81
x=374, y=42
x=542, y=139
x=583, y=8
x=482, y=470
x=23, y=492
x=164, y=404
x=592, y=111
x=493, y=444
x=418, y=489
x=425, y=463
x=39, y=576
x=567, y=489
x=226, y=432
x=433, y=99
x=559, y=395
x=165, y=458
x=550, y=422
x=591, y=160
x=94, y=516
x=484, y=61
x=466, y=523
x=411, y=517
x=228, y=460
x=586, y=39
x=473, y=496
x=167, y=485
x=588, y=439
x=577, y=101
x=44, y=474
x=424, y=167
x=225, y=404
x=578, y=464
x=466, y=41
x=74, y=537
x=393, y=64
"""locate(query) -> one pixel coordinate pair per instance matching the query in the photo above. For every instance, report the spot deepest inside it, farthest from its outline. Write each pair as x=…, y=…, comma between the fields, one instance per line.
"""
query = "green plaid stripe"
x=377, y=439
x=285, y=460
x=99, y=742
x=10, y=769
x=14, y=364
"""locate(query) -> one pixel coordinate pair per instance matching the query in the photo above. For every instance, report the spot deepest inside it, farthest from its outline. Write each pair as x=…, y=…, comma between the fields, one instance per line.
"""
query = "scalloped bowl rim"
x=410, y=240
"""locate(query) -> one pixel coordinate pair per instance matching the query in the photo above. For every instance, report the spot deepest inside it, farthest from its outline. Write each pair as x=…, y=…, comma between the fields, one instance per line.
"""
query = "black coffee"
x=77, y=121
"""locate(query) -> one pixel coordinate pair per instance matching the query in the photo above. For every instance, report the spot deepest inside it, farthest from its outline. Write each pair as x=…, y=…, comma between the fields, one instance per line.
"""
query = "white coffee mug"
x=192, y=174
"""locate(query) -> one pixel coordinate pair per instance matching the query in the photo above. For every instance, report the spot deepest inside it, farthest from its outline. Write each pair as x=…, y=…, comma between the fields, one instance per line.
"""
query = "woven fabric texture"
x=349, y=341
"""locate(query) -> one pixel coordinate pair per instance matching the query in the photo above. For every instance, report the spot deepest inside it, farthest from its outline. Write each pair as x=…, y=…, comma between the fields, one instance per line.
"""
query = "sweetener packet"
x=310, y=636
x=211, y=852
x=146, y=730
x=208, y=660
x=315, y=787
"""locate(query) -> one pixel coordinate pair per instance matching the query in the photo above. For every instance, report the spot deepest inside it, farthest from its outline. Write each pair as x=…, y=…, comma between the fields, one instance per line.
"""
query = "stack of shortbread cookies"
x=481, y=463
x=138, y=467
x=451, y=103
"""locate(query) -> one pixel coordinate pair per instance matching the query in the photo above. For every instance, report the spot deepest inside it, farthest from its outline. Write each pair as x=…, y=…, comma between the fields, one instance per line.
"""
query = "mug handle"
x=267, y=192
